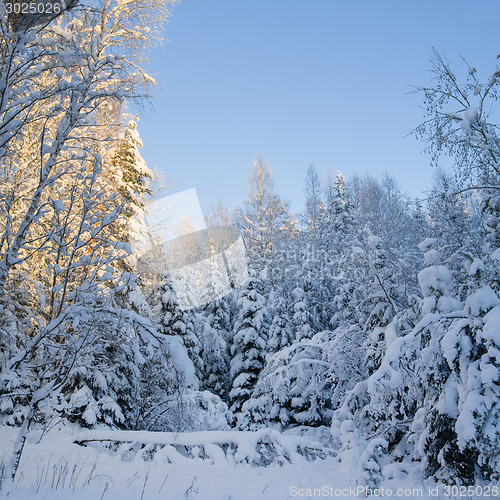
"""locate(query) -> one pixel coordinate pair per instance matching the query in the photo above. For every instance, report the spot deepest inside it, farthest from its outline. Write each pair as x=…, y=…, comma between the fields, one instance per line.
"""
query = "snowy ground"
x=56, y=468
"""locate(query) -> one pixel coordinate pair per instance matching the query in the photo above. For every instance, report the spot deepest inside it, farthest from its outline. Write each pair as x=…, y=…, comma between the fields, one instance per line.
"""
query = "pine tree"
x=463, y=426
x=160, y=397
x=172, y=321
x=249, y=345
x=294, y=389
x=280, y=332
x=301, y=313
x=131, y=169
x=102, y=384
x=437, y=433
x=131, y=178
x=470, y=351
x=215, y=356
x=15, y=386
x=369, y=466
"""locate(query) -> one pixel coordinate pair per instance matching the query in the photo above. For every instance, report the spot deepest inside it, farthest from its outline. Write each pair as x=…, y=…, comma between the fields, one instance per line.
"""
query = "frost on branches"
x=371, y=320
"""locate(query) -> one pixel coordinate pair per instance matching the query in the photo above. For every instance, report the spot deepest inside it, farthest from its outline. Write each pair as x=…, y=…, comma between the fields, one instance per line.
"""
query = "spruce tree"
x=215, y=356
x=249, y=344
x=172, y=321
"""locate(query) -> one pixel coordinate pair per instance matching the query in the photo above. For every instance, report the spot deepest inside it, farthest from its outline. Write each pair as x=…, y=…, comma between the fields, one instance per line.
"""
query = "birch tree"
x=57, y=79
x=63, y=85
x=264, y=219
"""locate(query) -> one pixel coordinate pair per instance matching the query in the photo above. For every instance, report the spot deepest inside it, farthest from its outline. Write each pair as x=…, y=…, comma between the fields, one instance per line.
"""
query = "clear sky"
x=299, y=82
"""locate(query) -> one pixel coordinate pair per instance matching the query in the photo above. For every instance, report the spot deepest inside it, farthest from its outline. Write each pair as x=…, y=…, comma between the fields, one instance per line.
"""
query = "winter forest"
x=362, y=352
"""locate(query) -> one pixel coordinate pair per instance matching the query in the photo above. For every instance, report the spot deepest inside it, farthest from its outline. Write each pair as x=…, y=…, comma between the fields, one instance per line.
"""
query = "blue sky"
x=323, y=82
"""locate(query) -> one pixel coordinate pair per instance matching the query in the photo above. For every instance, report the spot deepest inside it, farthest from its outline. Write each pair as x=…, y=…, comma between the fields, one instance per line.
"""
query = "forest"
x=369, y=323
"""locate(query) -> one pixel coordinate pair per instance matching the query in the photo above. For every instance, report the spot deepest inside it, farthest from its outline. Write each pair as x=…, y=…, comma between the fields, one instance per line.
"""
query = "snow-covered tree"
x=280, y=331
x=294, y=389
x=301, y=314
x=264, y=219
x=172, y=321
x=160, y=395
x=55, y=109
x=215, y=355
x=248, y=346
x=314, y=204
x=369, y=466
x=130, y=167
x=460, y=123
x=102, y=384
